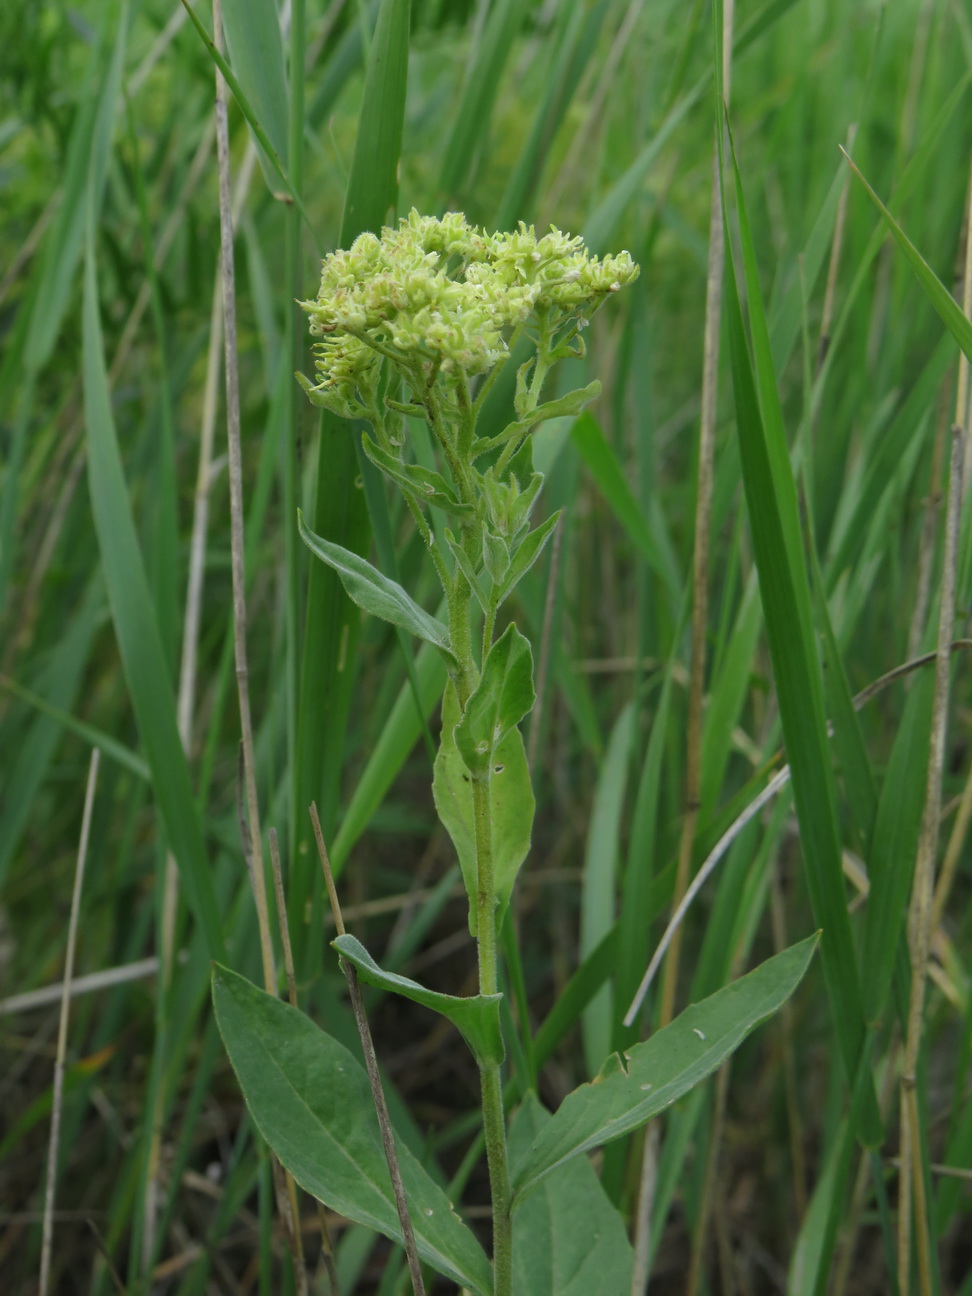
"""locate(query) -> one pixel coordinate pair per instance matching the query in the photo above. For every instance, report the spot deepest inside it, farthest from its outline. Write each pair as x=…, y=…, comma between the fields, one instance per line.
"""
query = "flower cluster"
x=441, y=296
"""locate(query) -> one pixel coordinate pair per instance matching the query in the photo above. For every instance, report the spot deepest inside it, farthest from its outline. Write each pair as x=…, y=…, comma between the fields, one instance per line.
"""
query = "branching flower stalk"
x=419, y=323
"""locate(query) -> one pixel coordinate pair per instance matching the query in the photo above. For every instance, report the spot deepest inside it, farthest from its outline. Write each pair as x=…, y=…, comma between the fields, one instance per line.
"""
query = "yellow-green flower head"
x=439, y=294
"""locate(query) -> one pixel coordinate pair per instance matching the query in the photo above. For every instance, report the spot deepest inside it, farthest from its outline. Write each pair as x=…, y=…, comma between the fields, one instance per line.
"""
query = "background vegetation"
x=596, y=115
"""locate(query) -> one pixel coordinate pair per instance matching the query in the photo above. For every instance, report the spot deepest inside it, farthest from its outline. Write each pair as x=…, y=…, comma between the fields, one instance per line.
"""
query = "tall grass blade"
x=340, y=513
x=253, y=41
x=139, y=642
x=784, y=588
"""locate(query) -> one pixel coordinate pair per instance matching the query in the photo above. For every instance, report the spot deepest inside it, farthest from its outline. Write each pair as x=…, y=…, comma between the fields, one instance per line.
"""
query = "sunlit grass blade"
x=252, y=31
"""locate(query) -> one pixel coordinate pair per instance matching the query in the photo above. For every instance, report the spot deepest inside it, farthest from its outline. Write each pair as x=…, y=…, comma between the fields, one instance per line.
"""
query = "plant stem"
x=494, y=1121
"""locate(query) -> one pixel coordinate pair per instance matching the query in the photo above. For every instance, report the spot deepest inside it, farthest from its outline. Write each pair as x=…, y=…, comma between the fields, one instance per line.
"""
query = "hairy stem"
x=494, y=1121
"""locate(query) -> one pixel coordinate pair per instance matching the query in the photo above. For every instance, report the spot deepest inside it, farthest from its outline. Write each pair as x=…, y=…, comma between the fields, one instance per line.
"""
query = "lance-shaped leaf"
x=511, y=797
x=376, y=593
x=423, y=484
x=568, y=405
x=527, y=554
x=468, y=569
x=310, y=1099
x=568, y=1238
x=656, y=1073
x=503, y=696
x=477, y=1017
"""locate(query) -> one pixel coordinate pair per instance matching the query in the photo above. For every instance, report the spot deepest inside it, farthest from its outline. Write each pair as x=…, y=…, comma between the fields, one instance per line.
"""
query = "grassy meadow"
x=765, y=556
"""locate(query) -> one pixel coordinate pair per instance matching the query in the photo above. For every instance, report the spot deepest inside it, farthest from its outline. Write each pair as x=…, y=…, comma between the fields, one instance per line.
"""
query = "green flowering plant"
x=418, y=323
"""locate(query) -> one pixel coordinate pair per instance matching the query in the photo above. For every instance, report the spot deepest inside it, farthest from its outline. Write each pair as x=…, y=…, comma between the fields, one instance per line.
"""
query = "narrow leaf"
x=252, y=30
x=310, y=1099
x=374, y=592
x=944, y=303
x=133, y=614
x=654, y=1074
x=477, y=1017
x=527, y=554
x=603, y=464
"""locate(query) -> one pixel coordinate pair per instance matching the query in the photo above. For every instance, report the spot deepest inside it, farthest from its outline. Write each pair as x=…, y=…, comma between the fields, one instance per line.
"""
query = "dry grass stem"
x=237, y=541
x=62, y=1029
x=371, y=1064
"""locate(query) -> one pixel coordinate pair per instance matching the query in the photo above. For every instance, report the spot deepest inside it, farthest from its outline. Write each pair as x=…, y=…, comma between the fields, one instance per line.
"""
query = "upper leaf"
x=376, y=593
x=654, y=1074
x=511, y=797
x=503, y=696
x=310, y=1099
x=476, y=1017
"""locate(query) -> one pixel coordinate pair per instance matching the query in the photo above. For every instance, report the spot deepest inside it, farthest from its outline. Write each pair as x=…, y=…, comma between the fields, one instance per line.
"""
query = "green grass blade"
x=472, y=117
x=340, y=513
x=578, y=41
x=941, y=299
x=599, y=885
x=398, y=736
x=604, y=467
x=74, y=654
x=140, y=645
x=255, y=48
x=777, y=544
x=373, y=184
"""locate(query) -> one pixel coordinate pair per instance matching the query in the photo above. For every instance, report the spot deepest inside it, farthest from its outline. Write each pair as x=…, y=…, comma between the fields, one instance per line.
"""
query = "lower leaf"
x=310, y=1099
x=656, y=1073
x=568, y=1239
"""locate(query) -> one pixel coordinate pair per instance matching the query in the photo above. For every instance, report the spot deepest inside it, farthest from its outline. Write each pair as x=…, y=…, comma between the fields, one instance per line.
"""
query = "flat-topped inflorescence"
x=438, y=297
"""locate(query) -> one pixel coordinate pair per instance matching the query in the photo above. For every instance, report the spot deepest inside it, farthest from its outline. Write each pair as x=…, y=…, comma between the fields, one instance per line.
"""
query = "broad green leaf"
x=310, y=1099
x=374, y=592
x=426, y=485
x=568, y=1239
x=476, y=1017
x=527, y=554
x=511, y=797
x=136, y=629
x=252, y=30
x=503, y=696
x=654, y=1074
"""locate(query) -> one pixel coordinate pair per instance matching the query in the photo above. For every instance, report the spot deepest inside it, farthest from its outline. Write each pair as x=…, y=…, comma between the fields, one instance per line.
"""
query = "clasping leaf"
x=476, y=1017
